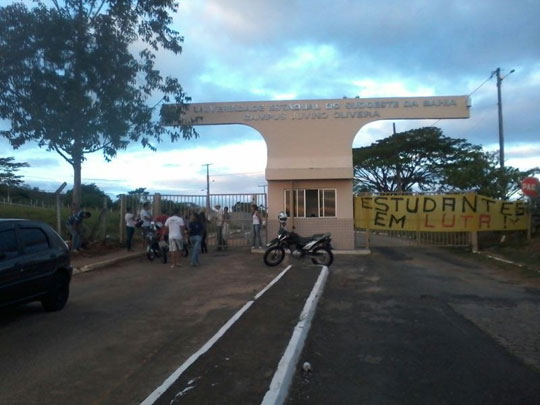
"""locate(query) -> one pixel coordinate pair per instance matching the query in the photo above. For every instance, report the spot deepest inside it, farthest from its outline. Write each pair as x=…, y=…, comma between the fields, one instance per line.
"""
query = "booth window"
x=311, y=203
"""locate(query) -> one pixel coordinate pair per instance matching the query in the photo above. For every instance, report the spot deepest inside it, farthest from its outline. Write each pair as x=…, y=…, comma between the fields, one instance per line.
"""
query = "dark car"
x=34, y=264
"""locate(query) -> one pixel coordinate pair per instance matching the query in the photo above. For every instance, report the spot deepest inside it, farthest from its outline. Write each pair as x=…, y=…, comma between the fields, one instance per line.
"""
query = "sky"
x=259, y=50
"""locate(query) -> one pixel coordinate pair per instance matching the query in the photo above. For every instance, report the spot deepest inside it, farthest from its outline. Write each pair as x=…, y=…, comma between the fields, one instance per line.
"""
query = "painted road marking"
x=279, y=387
x=158, y=392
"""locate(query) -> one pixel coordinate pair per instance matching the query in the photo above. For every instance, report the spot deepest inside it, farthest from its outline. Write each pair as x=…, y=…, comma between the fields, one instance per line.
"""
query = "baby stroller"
x=155, y=247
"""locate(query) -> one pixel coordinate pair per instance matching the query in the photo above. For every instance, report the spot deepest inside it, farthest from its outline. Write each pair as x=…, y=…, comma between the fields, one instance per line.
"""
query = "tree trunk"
x=77, y=166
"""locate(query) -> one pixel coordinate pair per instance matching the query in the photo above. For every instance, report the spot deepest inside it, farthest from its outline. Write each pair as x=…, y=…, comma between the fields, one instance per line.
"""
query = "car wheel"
x=58, y=293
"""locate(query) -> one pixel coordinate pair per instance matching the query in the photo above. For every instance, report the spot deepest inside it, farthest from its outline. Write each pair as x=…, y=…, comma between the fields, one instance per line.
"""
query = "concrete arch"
x=309, y=142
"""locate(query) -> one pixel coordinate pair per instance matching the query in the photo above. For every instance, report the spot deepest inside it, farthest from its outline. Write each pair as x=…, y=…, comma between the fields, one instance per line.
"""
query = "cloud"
x=282, y=50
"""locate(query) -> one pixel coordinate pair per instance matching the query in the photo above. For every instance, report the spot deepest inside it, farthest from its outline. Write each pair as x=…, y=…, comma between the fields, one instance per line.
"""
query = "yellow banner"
x=439, y=213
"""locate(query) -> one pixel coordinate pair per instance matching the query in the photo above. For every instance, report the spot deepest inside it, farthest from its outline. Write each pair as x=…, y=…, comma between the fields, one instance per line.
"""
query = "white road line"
x=158, y=392
x=279, y=387
x=274, y=281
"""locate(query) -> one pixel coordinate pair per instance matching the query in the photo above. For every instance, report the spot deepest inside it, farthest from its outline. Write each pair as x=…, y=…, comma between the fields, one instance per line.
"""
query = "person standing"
x=256, y=226
x=195, y=236
x=219, y=226
x=75, y=221
x=226, y=227
x=130, y=228
x=162, y=230
x=204, y=222
x=146, y=217
x=176, y=229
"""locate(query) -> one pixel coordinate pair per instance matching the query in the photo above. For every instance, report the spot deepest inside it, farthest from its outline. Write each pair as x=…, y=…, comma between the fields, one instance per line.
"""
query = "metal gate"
x=373, y=238
x=239, y=207
x=384, y=238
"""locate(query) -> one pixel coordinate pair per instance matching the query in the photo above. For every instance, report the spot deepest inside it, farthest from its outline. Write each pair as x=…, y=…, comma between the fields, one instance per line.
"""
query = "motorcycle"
x=318, y=247
x=155, y=247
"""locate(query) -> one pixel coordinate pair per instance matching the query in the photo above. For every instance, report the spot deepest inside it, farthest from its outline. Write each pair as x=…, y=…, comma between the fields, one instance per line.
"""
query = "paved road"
x=404, y=325
x=124, y=330
x=422, y=326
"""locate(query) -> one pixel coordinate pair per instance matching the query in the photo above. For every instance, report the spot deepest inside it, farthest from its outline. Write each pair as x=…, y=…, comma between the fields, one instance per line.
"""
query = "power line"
x=236, y=174
x=471, y=93
x=478, y=88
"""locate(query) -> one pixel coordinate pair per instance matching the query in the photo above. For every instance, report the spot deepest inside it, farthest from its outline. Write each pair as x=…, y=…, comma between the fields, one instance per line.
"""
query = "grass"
x=48, y=215
x=516, y=249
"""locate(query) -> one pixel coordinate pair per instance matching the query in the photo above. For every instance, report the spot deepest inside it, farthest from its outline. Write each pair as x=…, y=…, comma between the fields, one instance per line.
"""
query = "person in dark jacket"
x=195, y=236
x=75, y=224
x=204, y=222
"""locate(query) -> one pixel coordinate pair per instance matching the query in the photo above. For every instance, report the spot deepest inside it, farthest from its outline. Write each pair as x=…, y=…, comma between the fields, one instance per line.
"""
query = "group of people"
x=178, y=231
x=193, y=230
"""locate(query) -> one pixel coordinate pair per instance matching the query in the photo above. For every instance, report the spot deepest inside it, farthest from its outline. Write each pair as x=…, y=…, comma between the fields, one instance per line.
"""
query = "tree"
x=480, y=172
x=70, y=83
x=92, y=196
x=8, y=176
x=407, y=161
x=425, y=160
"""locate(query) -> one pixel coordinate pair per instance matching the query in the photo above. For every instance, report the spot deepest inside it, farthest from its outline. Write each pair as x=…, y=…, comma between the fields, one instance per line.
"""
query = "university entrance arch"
x=309, y=145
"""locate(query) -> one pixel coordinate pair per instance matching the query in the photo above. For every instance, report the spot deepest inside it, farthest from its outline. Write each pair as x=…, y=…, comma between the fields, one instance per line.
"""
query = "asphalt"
x=87, y=261
x=466, y=362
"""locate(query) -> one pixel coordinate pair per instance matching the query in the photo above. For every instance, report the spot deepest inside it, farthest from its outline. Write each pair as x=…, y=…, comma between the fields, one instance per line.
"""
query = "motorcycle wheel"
x=150, y=254
x=322, y=256
x=274, y=256
x=164, y=256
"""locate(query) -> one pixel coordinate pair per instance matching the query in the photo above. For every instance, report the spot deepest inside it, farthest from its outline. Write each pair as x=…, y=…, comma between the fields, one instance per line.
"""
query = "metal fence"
x=411, y=238
x=238, y=205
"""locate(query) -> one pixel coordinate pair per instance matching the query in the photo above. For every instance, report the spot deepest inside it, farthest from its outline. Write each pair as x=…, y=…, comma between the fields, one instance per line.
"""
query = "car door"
x=37, y=260
x=10, y=266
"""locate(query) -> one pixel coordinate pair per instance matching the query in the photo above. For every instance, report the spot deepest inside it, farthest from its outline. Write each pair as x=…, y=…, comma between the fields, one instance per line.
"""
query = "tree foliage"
x=8, y=173
x=70, y=82
x=426, y=160
x=92, y=196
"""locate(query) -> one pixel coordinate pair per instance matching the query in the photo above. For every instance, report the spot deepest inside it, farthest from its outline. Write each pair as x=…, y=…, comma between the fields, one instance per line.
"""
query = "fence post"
x=58, y=214
x=530, y=221
x=59, y=208
x=474, y=241
x=121, y=229
x=104, y=223
x=156, y=206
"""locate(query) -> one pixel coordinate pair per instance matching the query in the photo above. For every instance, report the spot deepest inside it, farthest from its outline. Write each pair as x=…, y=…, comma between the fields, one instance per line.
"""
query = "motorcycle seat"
x=304, y=241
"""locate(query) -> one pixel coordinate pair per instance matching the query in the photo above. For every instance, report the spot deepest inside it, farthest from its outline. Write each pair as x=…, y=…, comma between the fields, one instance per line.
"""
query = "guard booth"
x=309, y=145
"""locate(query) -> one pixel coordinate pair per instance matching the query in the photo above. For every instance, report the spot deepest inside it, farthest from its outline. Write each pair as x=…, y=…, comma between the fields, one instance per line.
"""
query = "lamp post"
x=500, y=78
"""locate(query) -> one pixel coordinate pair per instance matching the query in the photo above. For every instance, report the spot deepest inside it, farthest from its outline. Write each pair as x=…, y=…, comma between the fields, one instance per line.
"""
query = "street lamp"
x=497, y=72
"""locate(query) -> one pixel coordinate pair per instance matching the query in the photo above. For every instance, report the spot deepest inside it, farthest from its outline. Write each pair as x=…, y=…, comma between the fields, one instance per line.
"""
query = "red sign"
x=530, y=186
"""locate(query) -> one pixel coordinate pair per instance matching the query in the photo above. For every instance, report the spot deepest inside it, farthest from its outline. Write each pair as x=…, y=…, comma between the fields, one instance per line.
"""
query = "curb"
x=356, y=252
x=105, y=263
x=281, y=382
x=500, y=259
x=159, y=391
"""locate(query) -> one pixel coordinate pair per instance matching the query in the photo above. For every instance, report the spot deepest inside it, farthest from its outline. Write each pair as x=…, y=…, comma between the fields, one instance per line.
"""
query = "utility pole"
x=264, y=189
x=207, y=187
x=497, y=73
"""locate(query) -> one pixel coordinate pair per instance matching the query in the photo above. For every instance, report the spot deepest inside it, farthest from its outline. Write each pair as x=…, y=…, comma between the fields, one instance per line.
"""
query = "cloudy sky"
x=240, y=50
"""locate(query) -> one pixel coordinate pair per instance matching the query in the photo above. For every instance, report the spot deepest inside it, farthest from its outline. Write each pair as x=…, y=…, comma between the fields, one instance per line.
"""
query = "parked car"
x=35, y=264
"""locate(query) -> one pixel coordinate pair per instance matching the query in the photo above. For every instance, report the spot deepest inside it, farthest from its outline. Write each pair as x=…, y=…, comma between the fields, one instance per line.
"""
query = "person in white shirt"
x=146, y=215
x=130, y=227
x=219, y=226
x=176, y=227
x=256, y=225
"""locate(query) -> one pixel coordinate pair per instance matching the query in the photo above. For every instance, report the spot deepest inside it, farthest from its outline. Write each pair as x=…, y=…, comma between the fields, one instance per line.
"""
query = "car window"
x=8, y=244
x=34, y=239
